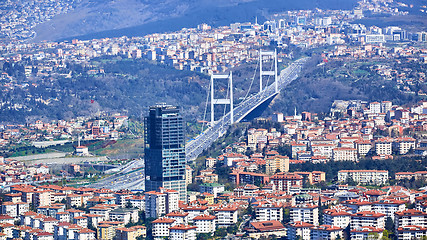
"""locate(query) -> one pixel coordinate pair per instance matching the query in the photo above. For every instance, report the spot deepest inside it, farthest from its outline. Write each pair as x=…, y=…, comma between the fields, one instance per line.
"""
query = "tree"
x=389, y=225
x=386, y=235
x=286, y=215
x=220, y=232
x=204, y=236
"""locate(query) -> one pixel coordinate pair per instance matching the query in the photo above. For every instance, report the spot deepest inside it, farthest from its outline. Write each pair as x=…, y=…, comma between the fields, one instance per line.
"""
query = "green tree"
x=220, y=232
x=389, y=225
x=286, y=215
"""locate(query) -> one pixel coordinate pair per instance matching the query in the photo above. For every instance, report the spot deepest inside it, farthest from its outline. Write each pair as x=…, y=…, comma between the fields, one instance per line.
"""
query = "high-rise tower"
x=165, y=150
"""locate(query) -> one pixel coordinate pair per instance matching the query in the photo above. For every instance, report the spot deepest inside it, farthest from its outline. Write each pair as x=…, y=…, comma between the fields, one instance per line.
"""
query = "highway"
x=194, y=148
x=131, y=176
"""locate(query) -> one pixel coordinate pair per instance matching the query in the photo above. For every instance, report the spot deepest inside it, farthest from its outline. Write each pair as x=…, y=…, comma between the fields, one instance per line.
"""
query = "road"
x=130, y=176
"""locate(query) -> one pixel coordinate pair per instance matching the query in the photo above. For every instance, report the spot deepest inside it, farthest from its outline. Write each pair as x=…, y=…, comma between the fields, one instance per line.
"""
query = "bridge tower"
x=222, y=101
x=262, y=73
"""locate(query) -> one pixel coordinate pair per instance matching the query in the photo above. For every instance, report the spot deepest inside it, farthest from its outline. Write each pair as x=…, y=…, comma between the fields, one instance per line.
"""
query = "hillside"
x=113, y=18
x=126, y=86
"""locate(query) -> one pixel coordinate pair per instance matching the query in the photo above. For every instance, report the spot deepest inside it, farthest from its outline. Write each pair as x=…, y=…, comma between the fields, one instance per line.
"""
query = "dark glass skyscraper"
x=165, y=150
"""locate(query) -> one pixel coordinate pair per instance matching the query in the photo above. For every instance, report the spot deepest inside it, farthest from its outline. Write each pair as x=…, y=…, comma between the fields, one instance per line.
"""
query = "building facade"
x=165, y=161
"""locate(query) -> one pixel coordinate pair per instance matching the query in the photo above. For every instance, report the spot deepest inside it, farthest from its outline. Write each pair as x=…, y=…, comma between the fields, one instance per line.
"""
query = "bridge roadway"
x=194, y=148
x=131, y=178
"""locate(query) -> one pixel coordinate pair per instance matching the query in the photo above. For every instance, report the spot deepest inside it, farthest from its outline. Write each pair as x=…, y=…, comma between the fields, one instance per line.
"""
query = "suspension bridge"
x=134, y=179
x=237, y=113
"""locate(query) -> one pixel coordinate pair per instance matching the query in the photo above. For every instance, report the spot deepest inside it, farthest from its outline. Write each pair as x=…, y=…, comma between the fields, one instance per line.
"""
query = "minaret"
x=256, y=20
x=295, y=112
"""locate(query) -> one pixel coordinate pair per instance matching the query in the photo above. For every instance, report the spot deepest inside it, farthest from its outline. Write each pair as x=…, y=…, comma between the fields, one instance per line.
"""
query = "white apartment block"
x=268, y=212
x=226, y=216
x=388, y=206
x=205, y=223
x=299, y=229
x=325, y=150
x=155, y=204
x=194, y=211
x=410, y=217
x=357, y=205
x=363, y=147
x=183, y=232
x=375, y=107
x=179, y=217
x=345, y=154
x=368, y=177
x=336, y=218
x=411, y=232
x=367, y=218
x=307, y=213
x=172, y=198
x=326, y=232
x=383, y=146
x=161, y=227
x=404, y=144
x=137, y=202
x=363, y=233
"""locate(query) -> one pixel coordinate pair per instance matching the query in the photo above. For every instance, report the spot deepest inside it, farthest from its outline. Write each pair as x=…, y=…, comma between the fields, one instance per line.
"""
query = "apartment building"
x=307, y=213
x=388, y=206
x=336, y=218
x=181, y=231
x=268, y=211
x=326, y=232
x=383, y=146
x=367, y=218
x=226, y=216
x=404, y=144
x=410, y=217
x=345, y=154
x=286, y=181
x=367, y=177
x=276, y=163
x=205, y=223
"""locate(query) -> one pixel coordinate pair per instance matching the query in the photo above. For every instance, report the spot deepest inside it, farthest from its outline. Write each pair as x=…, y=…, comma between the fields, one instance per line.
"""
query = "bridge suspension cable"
x=252, y=82
x=206, y=107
